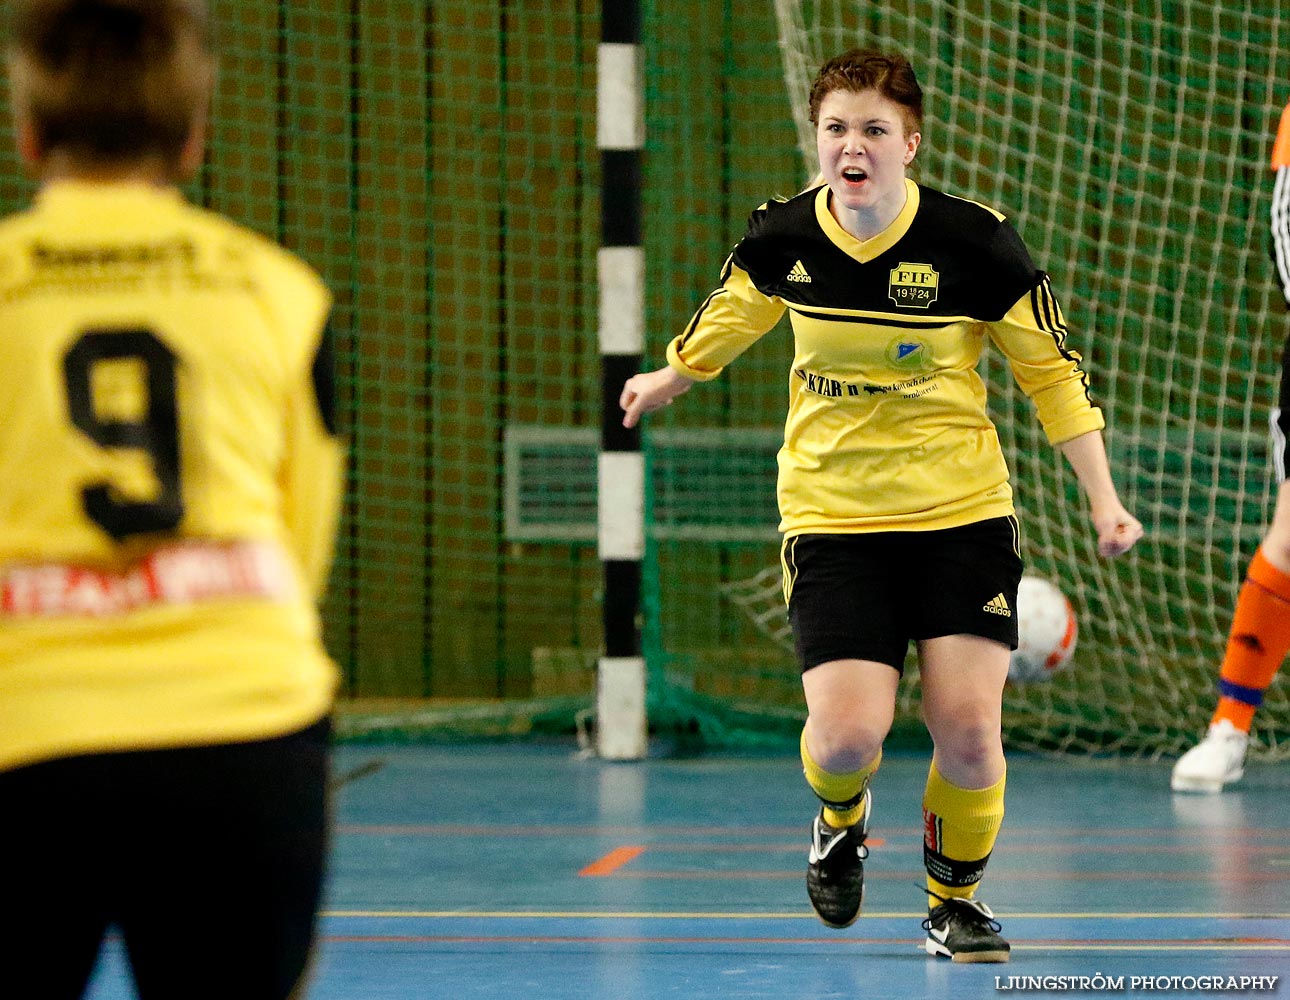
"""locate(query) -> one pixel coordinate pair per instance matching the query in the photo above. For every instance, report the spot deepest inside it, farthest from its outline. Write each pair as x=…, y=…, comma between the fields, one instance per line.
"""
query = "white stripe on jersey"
x=1281, y=227
x=1278, y=443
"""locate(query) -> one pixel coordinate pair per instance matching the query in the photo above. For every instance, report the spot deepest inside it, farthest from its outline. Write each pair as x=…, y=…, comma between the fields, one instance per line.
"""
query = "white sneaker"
x=1215, y=761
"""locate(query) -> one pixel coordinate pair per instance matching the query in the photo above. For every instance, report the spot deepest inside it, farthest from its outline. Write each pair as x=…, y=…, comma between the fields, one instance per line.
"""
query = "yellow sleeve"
x=731, y=320
x=312, y=473
x=1033, y=338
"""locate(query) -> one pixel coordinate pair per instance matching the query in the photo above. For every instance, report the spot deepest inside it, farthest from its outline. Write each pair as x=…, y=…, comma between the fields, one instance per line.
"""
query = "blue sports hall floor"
x=529, y=871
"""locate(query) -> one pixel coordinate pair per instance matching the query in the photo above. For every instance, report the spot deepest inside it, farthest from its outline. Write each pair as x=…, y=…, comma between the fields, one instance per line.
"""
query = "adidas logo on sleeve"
x=798, y=273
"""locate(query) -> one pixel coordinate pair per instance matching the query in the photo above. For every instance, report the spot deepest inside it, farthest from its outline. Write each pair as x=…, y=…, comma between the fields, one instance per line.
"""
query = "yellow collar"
x=866, y=250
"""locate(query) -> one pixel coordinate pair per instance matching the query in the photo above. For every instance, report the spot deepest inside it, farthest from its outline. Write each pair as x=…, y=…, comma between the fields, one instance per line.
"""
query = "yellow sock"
x=959, y=828
x=842, y=794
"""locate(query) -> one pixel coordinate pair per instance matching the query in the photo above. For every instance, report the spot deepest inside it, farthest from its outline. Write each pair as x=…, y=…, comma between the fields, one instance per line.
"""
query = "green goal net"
x=1131, y=150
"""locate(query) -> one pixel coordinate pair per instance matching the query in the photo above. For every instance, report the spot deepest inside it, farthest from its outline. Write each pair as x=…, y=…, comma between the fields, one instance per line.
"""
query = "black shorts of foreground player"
x=188, y=852
x=169, y=485
x=892, y=289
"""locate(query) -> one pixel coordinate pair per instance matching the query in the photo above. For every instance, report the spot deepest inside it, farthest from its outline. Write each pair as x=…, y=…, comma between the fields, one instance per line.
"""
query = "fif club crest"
x=913, y=285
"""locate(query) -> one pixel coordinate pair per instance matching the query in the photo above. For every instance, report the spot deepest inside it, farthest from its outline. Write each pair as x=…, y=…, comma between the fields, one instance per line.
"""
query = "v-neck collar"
x=866, y=250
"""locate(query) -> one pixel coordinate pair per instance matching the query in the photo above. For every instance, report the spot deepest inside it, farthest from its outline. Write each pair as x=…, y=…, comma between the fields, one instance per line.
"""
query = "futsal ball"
x=1046, y=629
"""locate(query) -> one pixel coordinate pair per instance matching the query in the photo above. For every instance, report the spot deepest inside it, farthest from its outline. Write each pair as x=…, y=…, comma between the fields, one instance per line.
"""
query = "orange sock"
x=1257, y=643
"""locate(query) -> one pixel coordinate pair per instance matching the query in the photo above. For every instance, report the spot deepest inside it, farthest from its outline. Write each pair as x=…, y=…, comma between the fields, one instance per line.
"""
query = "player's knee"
x=968, y=741
x=841, y=743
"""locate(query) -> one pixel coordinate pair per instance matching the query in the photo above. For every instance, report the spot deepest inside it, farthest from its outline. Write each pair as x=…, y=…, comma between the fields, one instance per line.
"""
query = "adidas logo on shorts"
x=998, y=605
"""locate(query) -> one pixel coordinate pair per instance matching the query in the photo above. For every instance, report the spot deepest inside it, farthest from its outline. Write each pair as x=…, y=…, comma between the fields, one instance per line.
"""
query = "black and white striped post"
x=621, y=725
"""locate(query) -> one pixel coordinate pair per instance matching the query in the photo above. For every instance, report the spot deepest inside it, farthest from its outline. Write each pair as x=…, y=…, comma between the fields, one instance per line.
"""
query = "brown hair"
x=864, y=69
x=111, y=81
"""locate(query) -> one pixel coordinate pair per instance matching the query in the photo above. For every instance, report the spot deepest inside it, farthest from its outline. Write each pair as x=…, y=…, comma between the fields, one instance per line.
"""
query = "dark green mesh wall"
x=433, y=161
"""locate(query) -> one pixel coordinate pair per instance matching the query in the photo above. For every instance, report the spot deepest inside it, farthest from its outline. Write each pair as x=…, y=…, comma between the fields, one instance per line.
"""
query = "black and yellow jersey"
x=1280, y=215
x=169, y=477
x=887, y=425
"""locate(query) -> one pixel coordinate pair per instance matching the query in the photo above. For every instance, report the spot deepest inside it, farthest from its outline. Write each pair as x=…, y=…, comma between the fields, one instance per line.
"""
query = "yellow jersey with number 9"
x=169, y=477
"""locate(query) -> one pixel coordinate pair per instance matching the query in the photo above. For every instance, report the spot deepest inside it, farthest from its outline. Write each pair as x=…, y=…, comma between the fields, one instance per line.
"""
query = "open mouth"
x=854, y=175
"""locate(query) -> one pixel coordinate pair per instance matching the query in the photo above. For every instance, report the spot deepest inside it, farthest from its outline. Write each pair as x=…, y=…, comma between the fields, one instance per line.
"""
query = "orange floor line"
x=612, y=861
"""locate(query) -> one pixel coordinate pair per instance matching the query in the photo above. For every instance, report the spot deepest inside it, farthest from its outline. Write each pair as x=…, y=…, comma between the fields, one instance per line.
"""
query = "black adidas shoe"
x=965, y=931
x=835, y=868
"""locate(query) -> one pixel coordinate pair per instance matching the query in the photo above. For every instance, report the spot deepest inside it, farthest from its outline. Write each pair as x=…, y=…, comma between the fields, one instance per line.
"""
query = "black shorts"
x=866, y=596
x=1281, y=418
x=209, y=861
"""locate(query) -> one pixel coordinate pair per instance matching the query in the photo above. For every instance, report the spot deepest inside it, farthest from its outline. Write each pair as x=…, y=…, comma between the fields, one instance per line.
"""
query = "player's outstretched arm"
x=650, y=391
x=1117, y=529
